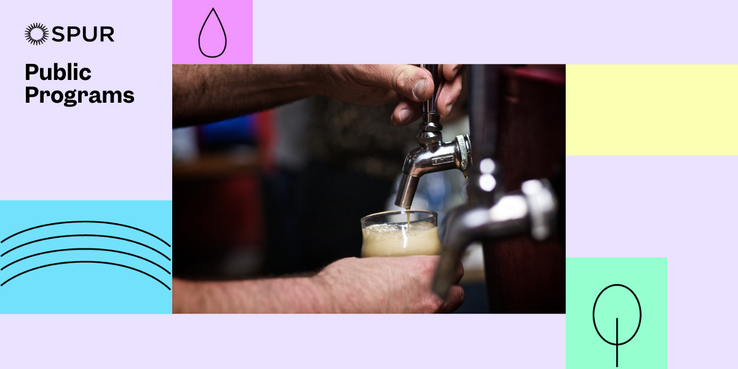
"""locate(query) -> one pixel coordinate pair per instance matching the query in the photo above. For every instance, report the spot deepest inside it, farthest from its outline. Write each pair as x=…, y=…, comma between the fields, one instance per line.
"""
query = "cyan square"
x=85, y=257
x=616, y=313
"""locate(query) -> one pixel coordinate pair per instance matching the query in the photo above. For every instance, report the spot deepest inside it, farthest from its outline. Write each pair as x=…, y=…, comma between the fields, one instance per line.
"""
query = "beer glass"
x=400, y=233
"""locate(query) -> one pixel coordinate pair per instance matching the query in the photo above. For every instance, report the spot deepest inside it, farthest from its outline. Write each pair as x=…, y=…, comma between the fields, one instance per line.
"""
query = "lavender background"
x=286, y=341
x=677, y=207
x=90, y=151
x=466, y=31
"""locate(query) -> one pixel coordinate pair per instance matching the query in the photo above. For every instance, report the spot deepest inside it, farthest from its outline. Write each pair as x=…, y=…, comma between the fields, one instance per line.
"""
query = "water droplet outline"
x=199, y=37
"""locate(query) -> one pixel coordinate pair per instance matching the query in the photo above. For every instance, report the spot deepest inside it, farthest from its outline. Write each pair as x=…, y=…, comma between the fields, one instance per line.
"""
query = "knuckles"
x=431, y=304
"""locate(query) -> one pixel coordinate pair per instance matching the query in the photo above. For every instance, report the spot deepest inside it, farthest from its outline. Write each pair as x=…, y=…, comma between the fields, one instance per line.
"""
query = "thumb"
x=409, y=81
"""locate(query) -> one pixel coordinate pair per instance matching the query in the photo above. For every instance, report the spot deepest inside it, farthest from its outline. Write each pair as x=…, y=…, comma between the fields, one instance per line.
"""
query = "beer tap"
x=433, y=154
x=532, y=210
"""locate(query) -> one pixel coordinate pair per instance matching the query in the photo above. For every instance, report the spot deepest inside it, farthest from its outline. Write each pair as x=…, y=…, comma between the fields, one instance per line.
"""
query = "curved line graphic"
x=225, y=37
x=86, y=235
x=87, y=249
x=87, y=221
x=84, y=261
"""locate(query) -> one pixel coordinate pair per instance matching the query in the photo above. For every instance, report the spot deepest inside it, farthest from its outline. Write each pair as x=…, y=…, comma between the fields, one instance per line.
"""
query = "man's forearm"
x=350, y=285
x=209, y=93
x=279, y=295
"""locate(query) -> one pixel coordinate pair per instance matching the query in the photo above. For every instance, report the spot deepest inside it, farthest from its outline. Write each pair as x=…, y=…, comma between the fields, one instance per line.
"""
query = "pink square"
x=226, y=37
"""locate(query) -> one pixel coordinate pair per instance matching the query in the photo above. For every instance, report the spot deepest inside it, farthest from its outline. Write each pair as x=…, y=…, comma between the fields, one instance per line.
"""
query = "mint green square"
x=604, y=280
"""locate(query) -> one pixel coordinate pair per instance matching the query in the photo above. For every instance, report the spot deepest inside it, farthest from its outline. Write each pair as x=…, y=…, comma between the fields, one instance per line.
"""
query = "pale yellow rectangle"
x=652, y=109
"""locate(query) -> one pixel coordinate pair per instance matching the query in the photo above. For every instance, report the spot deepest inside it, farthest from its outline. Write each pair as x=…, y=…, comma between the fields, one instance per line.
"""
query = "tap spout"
x=433, y=155
x=530, y=210
x=406, y=191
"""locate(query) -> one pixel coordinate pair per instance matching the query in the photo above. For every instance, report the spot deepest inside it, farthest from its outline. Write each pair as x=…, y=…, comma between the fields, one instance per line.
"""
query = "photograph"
x=331, y=188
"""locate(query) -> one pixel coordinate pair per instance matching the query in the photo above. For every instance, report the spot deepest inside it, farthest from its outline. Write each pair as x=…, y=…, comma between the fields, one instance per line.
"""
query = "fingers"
x=459, y=272
x=414, y=84
x=454, y=300
x=455, y=294
x=406, y=112
x=451, y=89
x=409, y=81
x=450, y=71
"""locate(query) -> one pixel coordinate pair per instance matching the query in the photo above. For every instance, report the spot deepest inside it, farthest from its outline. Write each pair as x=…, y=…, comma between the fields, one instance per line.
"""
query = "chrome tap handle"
x=431, y=118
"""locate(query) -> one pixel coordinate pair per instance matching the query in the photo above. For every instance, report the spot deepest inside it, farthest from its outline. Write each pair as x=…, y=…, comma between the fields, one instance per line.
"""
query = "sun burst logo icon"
x=37, y=33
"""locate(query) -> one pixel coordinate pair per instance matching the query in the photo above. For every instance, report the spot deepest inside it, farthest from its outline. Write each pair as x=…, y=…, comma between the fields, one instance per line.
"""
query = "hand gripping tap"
x=433, y=155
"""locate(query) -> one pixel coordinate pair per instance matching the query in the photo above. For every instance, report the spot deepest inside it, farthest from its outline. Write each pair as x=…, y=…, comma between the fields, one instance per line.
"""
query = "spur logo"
x=37, y=33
